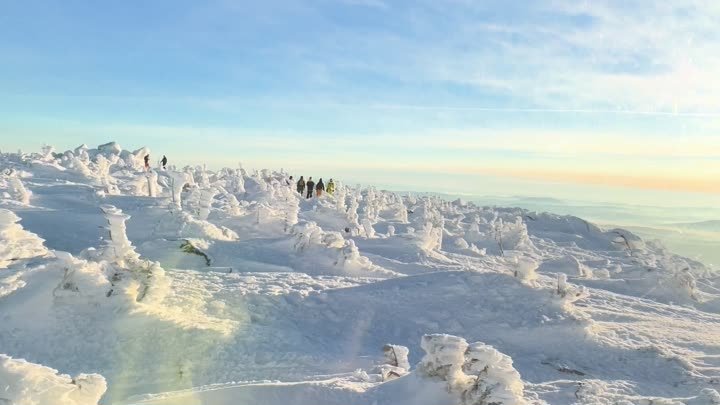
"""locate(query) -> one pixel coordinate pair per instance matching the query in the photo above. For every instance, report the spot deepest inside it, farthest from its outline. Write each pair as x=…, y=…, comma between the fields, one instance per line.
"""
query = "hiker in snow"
x=310, y=184
x=163, y=161
x=301, y=185
x=319, y=188
x=147, y=162
x=289, y=181
x=331, y=186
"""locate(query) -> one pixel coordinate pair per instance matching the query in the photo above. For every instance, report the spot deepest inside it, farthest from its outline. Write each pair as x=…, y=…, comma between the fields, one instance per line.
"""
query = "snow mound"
x=24, y=383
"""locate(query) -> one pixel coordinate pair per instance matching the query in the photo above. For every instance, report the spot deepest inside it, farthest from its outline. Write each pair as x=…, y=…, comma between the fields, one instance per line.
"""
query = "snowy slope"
x=188, y=286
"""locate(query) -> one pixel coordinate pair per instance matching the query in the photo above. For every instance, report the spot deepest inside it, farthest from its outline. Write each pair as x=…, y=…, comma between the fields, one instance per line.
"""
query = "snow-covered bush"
x=429, y=237
x=525, y=268
x=331, y=249
x=396, y=362
x=180, y=224
x=118, y=248
x=82, y=278
x=178, y=180
x=25, y=383
x=473, y=233
x=477, y=374
x=512, y=235
x=566, y=294
x=397, y=356
x=368, y=228
x=15, y=242
x=497, y=381
x=17, y=190
x=206, y=198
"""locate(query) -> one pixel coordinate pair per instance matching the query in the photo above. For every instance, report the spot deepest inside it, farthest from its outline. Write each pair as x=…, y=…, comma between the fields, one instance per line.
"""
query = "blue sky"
x=538, y=95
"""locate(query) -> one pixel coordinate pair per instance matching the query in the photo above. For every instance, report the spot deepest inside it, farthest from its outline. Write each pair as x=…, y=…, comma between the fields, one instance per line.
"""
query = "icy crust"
x=25, y=383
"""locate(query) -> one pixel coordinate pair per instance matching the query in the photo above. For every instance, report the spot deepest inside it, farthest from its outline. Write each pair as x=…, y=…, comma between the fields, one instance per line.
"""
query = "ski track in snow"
x=261, y=302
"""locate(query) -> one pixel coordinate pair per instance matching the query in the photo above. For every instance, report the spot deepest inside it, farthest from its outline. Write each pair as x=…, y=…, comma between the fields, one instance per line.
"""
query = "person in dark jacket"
x=301, y=185
x=163, y=161
x=319, y=188
x=310, y=184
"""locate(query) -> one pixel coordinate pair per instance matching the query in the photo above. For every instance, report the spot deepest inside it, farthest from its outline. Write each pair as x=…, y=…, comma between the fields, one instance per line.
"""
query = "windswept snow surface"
x=189, y=286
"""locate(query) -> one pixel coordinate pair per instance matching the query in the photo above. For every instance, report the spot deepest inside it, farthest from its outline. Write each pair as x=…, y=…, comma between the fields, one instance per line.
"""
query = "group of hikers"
x=306, y=188
x=303, y=187
x=147, y=162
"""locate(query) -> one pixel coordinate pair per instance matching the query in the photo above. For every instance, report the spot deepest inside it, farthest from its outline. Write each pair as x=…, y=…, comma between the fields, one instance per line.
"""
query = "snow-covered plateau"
x=121, y=285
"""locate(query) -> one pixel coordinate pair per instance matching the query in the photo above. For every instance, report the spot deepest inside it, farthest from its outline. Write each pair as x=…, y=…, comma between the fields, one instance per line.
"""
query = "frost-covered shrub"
x=397, y=356
x=566, y=294
x=81, y=278
x=118, y=248
x=525, y=268
x=396, y=362
x=512, y=235
x=473, y=234
x=15, y=242
x=581, y=269
x=103, y=171
x=497, y=380
x=25, y=383
x=178, y=180
x=17, y=190
x=333, y=250
x=368, y=228
x=429, y=238
x=477, y=374
x=461, y=243
x=206, y=198
x=180, y=224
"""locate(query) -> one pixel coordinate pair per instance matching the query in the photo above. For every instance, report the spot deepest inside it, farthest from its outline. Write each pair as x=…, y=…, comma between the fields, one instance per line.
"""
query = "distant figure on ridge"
x=301, y=185
x=163, y=161
x=310, y=184
x=147, y=162
x=331, y=186
x=289, y=181
x=319, y=188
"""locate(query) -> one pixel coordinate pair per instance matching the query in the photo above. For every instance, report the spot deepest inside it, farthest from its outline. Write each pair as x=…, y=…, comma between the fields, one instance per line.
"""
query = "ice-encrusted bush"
x=525, y=268
x=428, y=238
x=17, y=190
x=25, y=383
x=512, y=235
x=473, y=234
x=368, y=228
x=15, y=242
x=497, y=381
x=566, y=294
x=206, y=198
x=396, y=362
x=118, y=247
x=477, y=374
x=332, y=248
x=180, y=224
x=178, y=180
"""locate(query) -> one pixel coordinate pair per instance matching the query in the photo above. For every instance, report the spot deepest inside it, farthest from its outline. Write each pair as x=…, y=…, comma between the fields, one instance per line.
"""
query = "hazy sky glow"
x=622, y=95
